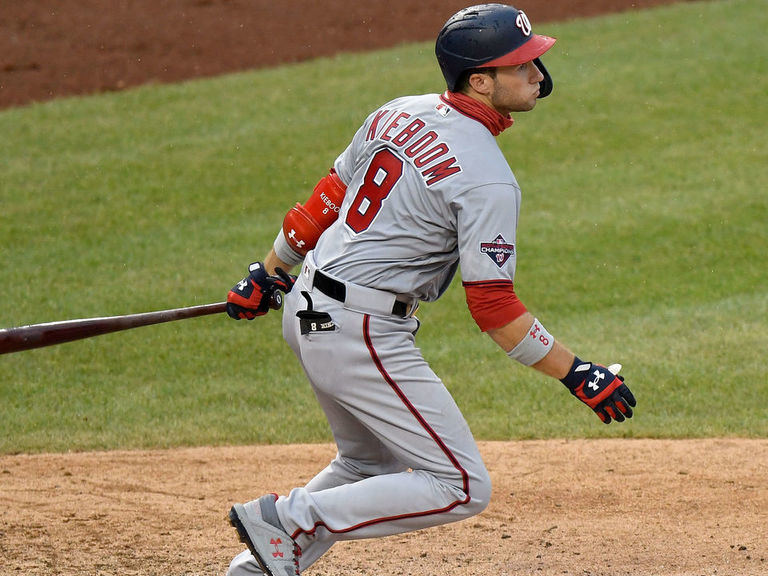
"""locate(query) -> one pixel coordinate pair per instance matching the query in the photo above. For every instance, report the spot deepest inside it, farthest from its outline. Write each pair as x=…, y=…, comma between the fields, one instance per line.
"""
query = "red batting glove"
x=601, y=390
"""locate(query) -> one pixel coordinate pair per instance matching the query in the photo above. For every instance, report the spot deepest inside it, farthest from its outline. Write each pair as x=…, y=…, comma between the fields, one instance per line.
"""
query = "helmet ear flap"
x=545, y=86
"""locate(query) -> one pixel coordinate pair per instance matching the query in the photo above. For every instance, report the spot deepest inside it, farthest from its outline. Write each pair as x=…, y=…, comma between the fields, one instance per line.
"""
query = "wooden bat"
x=39, y=335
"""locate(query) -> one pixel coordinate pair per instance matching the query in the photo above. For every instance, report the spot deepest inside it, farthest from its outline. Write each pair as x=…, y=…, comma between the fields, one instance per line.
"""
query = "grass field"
x=643, y=240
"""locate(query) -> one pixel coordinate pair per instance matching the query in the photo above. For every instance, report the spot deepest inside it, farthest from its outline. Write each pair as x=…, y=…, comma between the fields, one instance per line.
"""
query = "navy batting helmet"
x=490, y=35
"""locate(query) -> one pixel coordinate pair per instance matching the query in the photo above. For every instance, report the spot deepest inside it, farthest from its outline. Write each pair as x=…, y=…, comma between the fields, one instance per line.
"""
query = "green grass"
x=642, y=240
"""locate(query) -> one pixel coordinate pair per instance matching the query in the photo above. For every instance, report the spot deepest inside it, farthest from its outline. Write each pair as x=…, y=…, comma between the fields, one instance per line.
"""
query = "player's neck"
x=479, y=110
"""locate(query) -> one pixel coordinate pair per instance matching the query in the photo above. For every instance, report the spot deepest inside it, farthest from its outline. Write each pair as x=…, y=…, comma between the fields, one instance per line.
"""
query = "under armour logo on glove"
x=594, y=383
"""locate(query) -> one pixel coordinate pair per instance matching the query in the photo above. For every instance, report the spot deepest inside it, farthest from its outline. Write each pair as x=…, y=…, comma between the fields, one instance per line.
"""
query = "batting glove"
x=284, y=280
x=255, y=294
x=600, y=389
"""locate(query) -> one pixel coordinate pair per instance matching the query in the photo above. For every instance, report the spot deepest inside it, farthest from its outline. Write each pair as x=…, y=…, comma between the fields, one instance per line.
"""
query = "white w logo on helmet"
x=523, y=23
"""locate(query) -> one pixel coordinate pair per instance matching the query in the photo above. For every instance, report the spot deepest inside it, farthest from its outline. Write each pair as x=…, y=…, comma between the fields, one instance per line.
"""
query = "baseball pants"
x=406, y=458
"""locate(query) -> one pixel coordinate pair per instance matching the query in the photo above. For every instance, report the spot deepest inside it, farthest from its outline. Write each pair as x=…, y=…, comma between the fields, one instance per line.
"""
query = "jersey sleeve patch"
x=498, y=250
x=493, y=303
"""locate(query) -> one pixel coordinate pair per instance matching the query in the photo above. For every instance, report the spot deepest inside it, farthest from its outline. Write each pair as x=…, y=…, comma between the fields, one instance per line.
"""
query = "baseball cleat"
x=259, y=528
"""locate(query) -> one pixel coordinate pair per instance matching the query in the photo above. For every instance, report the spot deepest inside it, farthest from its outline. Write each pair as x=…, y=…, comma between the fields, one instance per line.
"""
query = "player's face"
x=515, y=88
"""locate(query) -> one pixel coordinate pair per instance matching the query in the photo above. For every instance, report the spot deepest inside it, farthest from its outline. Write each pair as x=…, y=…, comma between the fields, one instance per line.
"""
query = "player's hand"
x=284, y=280
x=255, y=294
x=602, y=389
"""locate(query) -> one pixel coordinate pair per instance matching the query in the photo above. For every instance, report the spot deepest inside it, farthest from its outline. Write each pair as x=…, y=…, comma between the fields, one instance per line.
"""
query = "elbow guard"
x=304, y=224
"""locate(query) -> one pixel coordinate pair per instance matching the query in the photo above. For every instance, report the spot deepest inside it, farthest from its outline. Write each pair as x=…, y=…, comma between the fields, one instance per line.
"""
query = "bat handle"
x=277, y=300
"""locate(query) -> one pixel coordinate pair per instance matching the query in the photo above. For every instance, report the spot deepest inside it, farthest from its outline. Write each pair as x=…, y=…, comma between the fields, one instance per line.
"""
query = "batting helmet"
x=490, y=35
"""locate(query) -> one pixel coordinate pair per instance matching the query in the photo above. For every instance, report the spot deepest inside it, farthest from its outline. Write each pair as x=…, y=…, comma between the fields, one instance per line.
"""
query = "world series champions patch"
x=499, y=250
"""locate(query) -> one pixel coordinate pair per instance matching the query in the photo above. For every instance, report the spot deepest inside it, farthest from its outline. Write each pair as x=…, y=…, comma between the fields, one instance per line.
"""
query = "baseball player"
x=421, y=190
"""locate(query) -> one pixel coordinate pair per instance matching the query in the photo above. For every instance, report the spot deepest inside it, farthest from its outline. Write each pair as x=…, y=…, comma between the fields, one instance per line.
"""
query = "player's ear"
x=480, y=82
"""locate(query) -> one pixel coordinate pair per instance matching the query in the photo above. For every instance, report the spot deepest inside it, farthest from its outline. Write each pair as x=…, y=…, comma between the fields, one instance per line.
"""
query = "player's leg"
x=361, y=455
x=372, y=371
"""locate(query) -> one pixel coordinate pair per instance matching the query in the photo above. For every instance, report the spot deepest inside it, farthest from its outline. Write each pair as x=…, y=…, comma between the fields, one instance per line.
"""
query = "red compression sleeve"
x=493, y=303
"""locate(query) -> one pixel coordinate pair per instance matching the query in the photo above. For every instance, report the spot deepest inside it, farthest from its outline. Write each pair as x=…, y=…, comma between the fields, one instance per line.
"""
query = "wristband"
x=284, y=251
x=536, y=344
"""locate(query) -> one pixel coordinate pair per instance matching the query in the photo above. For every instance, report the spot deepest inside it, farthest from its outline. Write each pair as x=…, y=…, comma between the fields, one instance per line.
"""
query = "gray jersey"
x=427, y=190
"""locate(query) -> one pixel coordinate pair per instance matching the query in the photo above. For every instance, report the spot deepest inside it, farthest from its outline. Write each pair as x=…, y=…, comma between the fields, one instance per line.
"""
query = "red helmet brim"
x=531, y=50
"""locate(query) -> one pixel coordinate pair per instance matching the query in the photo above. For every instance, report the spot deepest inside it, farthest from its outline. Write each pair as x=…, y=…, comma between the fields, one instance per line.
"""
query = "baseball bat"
x=48, y=334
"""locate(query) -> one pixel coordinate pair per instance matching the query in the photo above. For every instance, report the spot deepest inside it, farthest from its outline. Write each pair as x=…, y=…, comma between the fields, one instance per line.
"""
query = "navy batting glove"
x=283, y=280
x=255, y=294
x=601, y=390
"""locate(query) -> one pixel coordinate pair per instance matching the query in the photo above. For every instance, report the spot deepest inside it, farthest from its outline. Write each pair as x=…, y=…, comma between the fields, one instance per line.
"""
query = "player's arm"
x=272, y=262
x=556, y=362
x=302, y=226
x=499, y=312
x=304, y=223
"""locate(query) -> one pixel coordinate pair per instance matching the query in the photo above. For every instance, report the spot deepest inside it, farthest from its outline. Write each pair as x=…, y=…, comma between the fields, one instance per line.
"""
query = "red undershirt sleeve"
x=493, y=303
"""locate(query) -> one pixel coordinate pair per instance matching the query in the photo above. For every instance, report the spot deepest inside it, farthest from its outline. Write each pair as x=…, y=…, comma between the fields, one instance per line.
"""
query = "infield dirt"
x=586, y=507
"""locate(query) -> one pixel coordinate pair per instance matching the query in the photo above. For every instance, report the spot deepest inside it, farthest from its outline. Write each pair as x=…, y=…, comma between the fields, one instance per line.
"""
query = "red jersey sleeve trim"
x=493, y=303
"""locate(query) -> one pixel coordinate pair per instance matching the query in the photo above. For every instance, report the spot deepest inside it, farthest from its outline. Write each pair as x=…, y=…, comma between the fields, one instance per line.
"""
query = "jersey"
x=428, y=190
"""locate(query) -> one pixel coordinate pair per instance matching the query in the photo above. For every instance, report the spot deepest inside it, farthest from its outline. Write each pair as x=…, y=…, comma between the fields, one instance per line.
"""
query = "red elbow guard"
x=303, y=225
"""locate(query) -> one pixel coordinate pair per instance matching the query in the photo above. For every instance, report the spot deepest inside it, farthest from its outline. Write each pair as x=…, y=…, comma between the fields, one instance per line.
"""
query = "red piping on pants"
x=425, y=425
